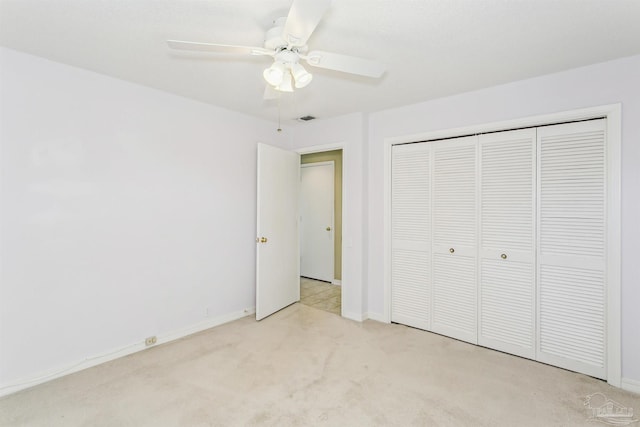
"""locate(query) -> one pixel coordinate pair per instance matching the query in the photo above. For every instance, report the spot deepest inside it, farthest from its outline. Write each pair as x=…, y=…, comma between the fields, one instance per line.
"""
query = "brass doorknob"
x=452, y=250
x=328, y=228
x=263, y=240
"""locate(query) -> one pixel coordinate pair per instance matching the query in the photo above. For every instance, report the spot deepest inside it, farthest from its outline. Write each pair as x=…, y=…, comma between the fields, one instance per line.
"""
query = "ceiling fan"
x=286, y=43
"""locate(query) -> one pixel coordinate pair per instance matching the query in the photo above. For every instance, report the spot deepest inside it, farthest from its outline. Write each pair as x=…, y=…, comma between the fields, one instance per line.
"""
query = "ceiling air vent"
x=305, y=118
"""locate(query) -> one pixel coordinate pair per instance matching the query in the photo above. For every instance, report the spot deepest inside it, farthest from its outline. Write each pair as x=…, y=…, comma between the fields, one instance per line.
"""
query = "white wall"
x=115, y=199
x=126, y=212
x=346, y=132
x=601, y=84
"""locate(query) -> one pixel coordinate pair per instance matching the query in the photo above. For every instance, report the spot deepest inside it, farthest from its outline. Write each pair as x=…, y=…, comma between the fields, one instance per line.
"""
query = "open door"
x=278, y=253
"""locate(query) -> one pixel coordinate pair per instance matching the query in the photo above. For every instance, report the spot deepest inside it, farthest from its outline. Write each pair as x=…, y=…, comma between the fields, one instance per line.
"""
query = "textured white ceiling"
x=432, y=48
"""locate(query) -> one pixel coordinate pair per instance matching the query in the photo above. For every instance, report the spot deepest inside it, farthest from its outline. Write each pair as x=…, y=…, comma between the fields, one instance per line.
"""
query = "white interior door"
x=572, y=255
x=507, y=241
x=277, y=254
x=411, y=235
x=454, y=239
x=316, y=220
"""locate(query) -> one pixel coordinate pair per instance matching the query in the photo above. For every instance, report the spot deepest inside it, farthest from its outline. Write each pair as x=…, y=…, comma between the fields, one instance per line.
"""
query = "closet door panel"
x=455, y=238
x=507, y=251
x=571, y=252
x=454, y=297
x=411, y=235
x=507, y=307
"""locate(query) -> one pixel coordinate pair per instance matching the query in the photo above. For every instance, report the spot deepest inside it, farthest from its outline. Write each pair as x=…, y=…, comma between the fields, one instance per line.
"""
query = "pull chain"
x=279, y=98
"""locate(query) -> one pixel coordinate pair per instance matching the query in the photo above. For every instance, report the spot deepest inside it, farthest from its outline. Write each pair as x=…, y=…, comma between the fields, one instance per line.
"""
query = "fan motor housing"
x=287, y=56
x=274, y=39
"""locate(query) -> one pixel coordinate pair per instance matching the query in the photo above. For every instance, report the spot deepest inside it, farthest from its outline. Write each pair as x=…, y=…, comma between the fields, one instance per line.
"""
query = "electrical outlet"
x=150, y=341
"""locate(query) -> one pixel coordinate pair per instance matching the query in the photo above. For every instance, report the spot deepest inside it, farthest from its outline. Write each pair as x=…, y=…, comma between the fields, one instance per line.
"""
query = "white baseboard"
x=361, y=317
x=630, y=385
x=206, y=324
x=358, y=317
x=42, y=377
x=376, y=316
x=336, y=282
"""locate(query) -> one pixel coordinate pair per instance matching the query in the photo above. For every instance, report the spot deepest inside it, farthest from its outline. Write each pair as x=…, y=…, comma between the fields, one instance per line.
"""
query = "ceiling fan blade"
x=270, y=93
x=218, y=48
x=345, y=63
x=303, y=18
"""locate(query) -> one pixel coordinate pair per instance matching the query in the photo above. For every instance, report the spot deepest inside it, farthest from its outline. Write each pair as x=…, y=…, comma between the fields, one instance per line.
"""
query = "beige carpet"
x=306, y=367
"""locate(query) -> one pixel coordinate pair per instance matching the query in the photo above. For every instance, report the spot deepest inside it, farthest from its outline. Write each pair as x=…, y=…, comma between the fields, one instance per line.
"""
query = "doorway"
x=321, y=230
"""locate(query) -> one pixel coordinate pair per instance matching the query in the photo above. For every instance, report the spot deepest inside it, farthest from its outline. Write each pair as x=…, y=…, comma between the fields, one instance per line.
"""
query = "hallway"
x=321, y=295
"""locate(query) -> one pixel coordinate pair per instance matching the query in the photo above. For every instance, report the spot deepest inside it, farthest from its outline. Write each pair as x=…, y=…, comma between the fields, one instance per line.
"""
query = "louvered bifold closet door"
x=571, y=252
x=507, y=236
x=454, y=238
x=411, y=235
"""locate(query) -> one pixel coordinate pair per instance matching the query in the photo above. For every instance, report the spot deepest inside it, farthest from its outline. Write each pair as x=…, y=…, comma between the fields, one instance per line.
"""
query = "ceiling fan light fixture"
x=285, y=85
x=301, y=76
x=274, y=75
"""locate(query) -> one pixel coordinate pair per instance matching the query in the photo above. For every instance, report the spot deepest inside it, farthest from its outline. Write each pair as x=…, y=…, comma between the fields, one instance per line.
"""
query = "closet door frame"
x=613, y=114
